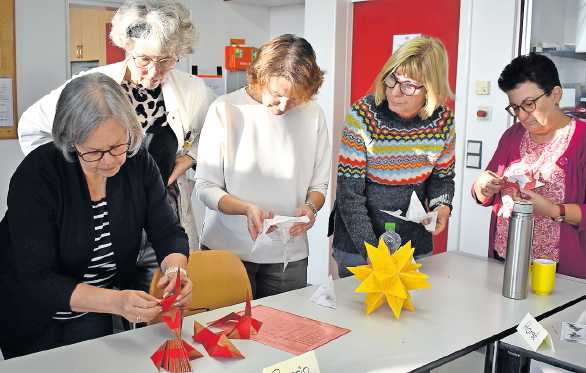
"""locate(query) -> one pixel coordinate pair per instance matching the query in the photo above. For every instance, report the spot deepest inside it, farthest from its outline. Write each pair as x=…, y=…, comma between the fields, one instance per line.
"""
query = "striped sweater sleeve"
x=351, y=184
x=440, y=184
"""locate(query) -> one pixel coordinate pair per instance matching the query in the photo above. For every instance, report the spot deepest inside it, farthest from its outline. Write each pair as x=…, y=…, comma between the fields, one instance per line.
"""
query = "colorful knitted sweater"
x=383, y=159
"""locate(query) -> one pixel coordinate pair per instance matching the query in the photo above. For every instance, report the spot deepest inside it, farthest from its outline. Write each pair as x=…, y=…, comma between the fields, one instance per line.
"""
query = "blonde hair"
x=164, y=24
x=289, y=57
x=425, y=60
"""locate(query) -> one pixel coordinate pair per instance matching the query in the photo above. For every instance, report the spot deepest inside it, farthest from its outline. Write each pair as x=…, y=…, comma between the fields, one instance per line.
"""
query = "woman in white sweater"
x=264, y=151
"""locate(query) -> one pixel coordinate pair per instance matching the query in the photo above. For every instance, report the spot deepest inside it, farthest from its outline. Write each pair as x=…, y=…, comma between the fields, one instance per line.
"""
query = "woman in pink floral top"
x=548, y=150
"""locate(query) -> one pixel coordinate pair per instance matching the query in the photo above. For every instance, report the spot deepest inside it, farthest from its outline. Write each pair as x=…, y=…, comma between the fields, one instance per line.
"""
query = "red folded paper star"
x=176, y=323
x=174, y=356
x=217, y=345
x=244, y=325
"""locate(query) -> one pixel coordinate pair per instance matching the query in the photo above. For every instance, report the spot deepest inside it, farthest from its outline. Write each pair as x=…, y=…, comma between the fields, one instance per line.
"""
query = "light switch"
x=482, y=87
x=474, y=154
x=473, y=161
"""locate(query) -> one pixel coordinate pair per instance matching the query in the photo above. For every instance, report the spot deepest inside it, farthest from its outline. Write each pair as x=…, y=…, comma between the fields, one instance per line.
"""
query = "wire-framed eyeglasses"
x=528, y=105
x=406, y=88
x=145, y=62
x=97, y=155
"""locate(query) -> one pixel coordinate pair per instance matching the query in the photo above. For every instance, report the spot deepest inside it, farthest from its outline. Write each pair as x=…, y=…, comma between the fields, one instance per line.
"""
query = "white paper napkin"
x=416, y=213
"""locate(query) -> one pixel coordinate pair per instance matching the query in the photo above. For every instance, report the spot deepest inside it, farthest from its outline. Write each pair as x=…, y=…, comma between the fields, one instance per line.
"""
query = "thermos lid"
x=523, y=207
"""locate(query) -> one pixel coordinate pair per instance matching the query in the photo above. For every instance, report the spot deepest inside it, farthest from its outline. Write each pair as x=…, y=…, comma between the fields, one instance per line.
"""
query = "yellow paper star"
x=389, y=277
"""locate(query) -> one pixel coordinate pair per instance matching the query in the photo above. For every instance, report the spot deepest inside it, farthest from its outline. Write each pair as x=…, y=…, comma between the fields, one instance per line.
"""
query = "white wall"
x=218, y=21
x=328, y=29
x=39, y=68
x=486, y=46
x=287, y=19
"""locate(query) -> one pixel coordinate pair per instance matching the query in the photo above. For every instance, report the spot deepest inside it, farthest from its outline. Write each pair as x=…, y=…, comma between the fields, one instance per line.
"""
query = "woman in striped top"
x=397, y=141
x=76, y=211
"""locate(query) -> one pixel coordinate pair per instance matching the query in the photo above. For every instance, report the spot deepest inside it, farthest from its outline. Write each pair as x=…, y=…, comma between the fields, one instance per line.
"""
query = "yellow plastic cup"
x=542, y=276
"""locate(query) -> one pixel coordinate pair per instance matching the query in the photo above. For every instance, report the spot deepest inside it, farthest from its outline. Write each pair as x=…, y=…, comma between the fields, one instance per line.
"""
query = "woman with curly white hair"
x=170, y=104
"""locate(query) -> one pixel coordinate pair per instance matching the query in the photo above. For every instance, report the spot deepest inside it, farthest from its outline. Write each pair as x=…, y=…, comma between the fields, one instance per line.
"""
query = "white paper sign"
x=304, y=363
x=399, y=40
x=325, y=294
x=6, y=103
x=416, y=213
x=534, y=333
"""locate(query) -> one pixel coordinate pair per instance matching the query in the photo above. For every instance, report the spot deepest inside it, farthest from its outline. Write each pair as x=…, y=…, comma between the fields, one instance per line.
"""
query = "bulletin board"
x=8, y=117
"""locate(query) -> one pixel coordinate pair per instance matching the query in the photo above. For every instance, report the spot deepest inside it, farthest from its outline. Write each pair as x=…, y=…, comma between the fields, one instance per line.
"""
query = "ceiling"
x=268, y=3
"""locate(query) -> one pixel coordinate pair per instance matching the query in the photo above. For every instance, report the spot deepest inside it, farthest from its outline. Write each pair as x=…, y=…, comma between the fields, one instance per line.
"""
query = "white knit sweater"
x=269, y=160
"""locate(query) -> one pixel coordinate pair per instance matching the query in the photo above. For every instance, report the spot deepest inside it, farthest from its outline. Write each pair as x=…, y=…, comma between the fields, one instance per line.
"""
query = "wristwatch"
x=562, y=216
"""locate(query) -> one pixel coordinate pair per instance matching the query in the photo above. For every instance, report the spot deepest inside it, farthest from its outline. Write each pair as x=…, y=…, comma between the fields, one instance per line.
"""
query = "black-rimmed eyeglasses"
x=97, y=155
x=406, y=88
x=528, y=105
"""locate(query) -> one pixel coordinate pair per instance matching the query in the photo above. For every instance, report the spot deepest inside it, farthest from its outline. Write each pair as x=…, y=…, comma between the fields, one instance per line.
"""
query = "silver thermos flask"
x=519, y=243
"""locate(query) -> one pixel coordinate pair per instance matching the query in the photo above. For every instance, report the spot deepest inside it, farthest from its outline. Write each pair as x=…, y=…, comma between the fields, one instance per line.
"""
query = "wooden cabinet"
x=87, y=33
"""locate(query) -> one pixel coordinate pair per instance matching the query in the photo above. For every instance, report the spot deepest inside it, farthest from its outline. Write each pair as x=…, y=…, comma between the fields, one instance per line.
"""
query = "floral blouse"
x=541, y=159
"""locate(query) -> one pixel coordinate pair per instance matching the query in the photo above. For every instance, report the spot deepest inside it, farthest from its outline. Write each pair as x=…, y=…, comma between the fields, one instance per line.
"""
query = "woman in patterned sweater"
x=397, y=141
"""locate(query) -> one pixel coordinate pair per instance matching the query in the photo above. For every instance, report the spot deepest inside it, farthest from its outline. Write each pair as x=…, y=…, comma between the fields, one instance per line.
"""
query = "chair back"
x=219, y=279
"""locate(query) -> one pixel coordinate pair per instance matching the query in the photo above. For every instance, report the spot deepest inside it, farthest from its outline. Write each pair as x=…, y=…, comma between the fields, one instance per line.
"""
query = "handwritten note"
x=6, y=103
x=306, y=363
x=534, y=333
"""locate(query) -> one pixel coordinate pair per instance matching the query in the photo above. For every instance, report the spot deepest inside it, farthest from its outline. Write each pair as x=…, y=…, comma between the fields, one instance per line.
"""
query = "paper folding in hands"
x=217, y=345
x=174, y=354
x=518, y=177
x=243, y=325
x=389, y=277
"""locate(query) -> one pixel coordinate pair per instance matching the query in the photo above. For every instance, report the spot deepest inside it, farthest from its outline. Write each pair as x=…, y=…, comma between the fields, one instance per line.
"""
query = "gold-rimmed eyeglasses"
x=528, y=105
x=146, y=62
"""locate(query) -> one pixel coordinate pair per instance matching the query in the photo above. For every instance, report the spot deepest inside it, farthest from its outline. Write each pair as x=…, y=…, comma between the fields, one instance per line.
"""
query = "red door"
x=375, y=23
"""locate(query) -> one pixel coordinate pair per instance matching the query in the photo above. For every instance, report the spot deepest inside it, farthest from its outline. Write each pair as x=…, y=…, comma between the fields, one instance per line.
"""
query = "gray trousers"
x=270, y=279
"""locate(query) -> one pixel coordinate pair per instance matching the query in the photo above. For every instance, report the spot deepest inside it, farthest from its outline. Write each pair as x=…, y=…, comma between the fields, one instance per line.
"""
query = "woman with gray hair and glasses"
x=171, y=105
x=76, y=211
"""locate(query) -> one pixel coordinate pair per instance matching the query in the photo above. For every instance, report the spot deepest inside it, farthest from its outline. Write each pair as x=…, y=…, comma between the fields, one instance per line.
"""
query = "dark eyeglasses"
x=527, y=105
x=407, y=88
x=96, y=155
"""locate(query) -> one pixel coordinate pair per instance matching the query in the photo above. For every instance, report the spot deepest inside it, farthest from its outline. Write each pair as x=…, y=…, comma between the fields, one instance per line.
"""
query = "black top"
x=47, y=233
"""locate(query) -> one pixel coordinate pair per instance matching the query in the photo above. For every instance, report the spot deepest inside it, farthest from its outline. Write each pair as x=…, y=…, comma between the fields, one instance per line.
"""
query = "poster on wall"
x=6, y=103
x=399, y=40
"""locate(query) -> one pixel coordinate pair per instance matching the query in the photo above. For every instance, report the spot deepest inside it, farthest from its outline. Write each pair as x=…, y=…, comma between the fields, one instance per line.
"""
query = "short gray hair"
x=165, y=24
x=87, y=102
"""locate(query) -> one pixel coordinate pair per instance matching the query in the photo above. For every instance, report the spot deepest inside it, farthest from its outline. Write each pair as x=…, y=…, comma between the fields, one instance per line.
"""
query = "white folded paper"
x=573, y=332
x=416, y=213
x=325, y=294
x=534, y=333
x=282, y=226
